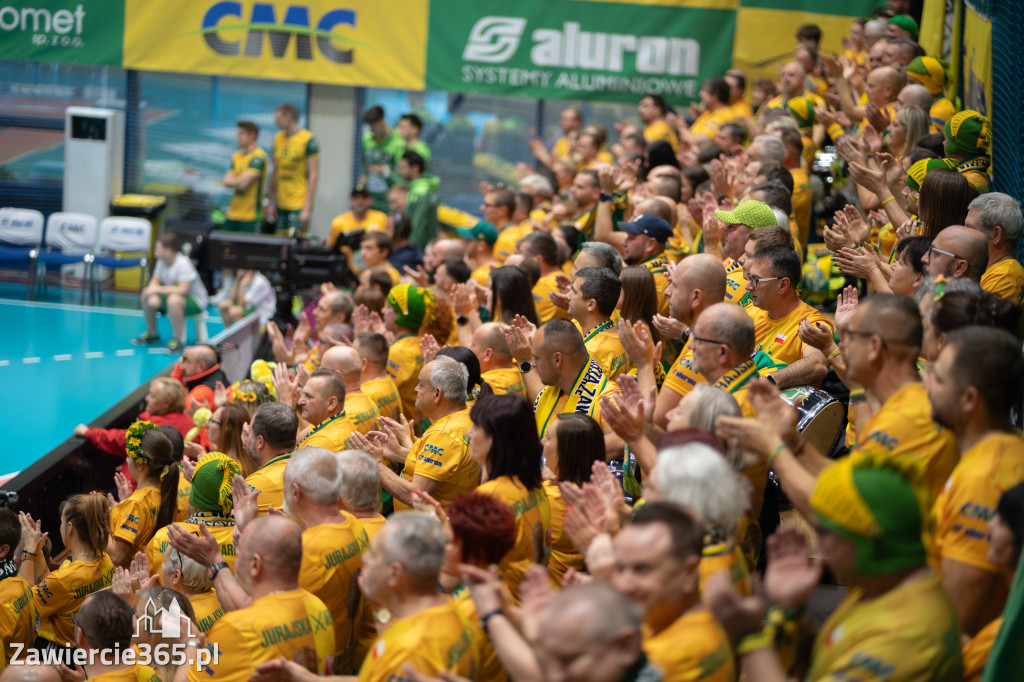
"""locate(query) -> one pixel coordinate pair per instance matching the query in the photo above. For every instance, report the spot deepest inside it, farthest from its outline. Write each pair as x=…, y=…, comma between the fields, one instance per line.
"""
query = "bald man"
x=724, y=341
x=698, y=282
x=793, y=82
x=915, y=95
x=199, y=369
x=268, y=615
x=30, y=673
x=360, y=408
x=882, y=87
x=497, y=367
x=957, y=251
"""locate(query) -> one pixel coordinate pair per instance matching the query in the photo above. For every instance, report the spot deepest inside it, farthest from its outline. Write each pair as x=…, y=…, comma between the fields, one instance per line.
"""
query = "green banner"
x=587, y=50
x=75, y=31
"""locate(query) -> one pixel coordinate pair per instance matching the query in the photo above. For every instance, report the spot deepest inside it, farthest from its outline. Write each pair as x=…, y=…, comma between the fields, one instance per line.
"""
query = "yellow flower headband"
x=133, y=440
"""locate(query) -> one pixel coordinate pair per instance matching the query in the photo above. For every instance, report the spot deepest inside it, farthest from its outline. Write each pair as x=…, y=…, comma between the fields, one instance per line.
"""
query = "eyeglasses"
x=932, y=250
x=486, y=205
x=214, y=421
x=846, y=333
x=711, y=341
x=754, y=281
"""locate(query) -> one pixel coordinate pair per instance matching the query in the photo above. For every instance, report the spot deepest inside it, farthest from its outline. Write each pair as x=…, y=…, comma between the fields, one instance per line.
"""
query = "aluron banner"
x=76, y=31
x=573, y=49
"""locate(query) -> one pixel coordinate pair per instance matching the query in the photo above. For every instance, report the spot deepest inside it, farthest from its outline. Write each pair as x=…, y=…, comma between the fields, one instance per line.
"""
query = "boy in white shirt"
x=175, y=290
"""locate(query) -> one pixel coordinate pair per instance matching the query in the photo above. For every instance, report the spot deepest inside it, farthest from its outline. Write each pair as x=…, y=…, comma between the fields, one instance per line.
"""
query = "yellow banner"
x=977, y=62
x=344, y=42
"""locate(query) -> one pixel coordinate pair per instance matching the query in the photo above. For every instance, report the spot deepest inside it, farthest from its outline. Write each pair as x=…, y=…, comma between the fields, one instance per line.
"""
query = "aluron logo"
x=263, y=23
x=494, y=39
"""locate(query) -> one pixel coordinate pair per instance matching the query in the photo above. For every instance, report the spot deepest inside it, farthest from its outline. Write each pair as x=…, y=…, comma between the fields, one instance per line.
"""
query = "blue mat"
x=61, y=365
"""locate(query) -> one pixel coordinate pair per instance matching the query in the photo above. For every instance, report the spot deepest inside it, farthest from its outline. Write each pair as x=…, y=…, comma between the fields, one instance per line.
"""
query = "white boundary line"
x=88, y=309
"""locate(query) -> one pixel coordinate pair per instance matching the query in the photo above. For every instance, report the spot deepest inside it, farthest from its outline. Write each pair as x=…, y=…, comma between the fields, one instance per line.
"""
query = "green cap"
x=482, y=231
x=211, y=482
x=751, y=213
x=907, y=23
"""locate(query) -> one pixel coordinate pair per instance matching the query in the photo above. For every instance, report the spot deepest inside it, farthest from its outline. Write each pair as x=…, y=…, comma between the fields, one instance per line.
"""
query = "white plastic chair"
x=125, y=235
x=70, y=238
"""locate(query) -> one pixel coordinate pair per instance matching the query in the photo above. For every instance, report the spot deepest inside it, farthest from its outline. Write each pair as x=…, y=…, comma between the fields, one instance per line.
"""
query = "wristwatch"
x=214, y=569
x=605, y=197
x=771, y=378
x=487, y=616
x=525, y=366
x=462, y=320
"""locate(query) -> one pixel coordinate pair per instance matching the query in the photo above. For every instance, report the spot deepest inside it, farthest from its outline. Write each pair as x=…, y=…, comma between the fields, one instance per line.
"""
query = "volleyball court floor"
x=62, y=364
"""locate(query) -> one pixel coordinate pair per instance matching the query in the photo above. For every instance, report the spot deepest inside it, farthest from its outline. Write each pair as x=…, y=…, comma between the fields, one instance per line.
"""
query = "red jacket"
x=113, y=441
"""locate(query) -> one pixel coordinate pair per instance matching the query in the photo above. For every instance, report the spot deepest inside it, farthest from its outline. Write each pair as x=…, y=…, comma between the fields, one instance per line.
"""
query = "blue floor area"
x=62, y=364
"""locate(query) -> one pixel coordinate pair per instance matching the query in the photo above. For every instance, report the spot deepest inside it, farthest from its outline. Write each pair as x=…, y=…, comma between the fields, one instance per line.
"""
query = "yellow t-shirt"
x=384, y=392
x=482, y=276
x=372, y=525
x=779, y=101
x=62, y=592
x=1005, y=279
x=207, y=607
x=269, y=481
x=969, y=499
x=941, y=111
x=562, y=148
x=778, y=339
x=802, y=197
x=505, y=246
x=247, y=204
x=909, y=633
x=16, y=614
x=442, y=454
x=564, y=554
x=184, y=492
x=706, y=655
x=332, y=554
x=505, y=380
x=221, y=528
x=660, y=130
x=707, y=124
x=728, y=557
x=347, y=223
x=546, y=310
x=975, y=654
x=134, y=673
x=134, y=519
x=533, y=515
x=280, y=624
x=656, y=265
x=604, y=346
x=331, y=434
x=736, y=284
x=490, y=668
x=683, y=375
x=585, y=397
x=405, y=360
x=736, y=382
x=903, y=427
x=291, y=159
x=362, y=411
x=434, y=639
x=742, y=111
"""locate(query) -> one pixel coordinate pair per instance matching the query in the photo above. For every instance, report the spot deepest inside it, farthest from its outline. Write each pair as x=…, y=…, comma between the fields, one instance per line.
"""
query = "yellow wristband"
x=759, y=640
x=834, y=354
x=886, y=201
x=774, y=453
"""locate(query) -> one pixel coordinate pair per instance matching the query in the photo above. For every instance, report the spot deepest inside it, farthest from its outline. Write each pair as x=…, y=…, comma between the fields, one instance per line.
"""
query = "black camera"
x=8, y=498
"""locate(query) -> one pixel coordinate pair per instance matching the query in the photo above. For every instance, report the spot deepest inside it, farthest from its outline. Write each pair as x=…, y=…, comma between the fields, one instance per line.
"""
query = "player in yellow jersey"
x=17, y=622
x=438, y=462
x=296, y=172
x=360, y=408
x=972, y=393
x=211, y=503
x=657, y=559
x=497, y=367
x=897, y=623
x=503, y=445
x=998, y=217
x=773, y=276
x=375, y=381
x=333, y=544
x=426, y=629
x=698, y=282
x=246, y=177
x=269, y=441
x=359, y=217
x=85, y=531
x=595, y=293
x=274, y=617
x=153, y=504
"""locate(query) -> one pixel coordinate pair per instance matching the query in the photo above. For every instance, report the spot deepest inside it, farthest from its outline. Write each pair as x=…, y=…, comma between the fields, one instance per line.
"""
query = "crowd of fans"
x=592, y=435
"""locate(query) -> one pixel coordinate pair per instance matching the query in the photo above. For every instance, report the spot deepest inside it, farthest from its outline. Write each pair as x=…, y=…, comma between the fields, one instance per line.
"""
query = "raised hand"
x=845, y=306
x=429, y=347
x=857, y=262
x=123, y=485
x=791, y=574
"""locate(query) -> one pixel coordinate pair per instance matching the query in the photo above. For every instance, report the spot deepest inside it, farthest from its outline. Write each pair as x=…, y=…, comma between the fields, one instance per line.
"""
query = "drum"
x=821, y=416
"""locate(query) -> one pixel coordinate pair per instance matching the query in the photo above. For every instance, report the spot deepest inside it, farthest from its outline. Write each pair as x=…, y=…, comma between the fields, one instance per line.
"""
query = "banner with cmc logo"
x=600, y=50
x=76, y=31
x=345, y=42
